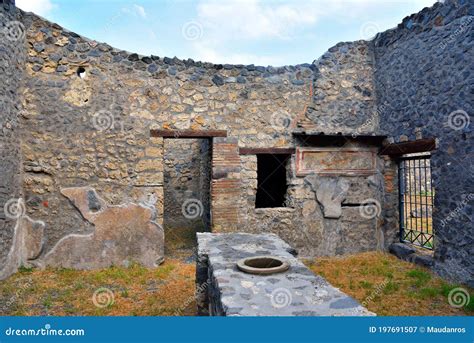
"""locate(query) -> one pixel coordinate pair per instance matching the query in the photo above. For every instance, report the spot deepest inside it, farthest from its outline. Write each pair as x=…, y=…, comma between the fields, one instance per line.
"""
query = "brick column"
x=225, y=185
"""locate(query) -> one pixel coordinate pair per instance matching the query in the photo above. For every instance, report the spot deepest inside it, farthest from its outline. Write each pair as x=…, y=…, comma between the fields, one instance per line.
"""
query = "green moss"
x=446, y=288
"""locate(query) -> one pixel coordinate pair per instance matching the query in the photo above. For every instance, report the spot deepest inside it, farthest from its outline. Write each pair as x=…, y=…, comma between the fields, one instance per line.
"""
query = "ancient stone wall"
x=12, y=42
x=343, y=91
x=424, y=77
x=305, y=222
x=89, y=109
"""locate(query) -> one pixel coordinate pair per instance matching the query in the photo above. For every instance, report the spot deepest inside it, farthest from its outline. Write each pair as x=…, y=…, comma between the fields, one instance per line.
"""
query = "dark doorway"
x=271, y=180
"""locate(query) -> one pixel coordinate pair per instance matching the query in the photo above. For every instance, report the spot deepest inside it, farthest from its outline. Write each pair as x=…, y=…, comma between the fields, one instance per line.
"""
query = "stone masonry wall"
x=92, y=129
x=12, y=41
x=424, y=77
x=343, y=91
x=89, y=109
x=303, y=222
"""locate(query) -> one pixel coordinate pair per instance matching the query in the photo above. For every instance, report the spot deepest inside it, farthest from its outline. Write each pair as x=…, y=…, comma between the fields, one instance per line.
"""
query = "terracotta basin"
x=263, y=265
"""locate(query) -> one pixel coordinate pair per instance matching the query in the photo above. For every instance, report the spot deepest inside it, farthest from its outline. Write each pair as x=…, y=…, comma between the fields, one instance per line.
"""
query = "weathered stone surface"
x=422, y=260
x=401, y=250
x=330, y=193
x=342, y=161
x=408, y=253
x=227, y=291
x=343, y=98
x=12, y=65
x=303, y=223
x=123, y=234
x=423, y=81
x=27, y=243
x=33, y=239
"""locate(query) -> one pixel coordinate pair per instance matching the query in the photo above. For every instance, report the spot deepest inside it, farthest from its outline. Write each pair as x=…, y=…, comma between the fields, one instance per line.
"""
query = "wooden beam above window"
x=403, y=148
x=256, y=151
x=188, y=133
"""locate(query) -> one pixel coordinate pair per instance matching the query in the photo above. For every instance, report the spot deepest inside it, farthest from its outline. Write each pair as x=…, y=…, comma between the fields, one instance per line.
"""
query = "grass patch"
x=389, y=286
x=167, y=290
x=365, y=284
x=386, y=284
x=427, y=293
x=470, y=306
x=419, y=276
x=25, y=270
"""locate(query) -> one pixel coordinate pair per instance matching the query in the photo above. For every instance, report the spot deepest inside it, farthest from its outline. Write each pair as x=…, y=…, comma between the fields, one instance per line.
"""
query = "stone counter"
x=223, y=290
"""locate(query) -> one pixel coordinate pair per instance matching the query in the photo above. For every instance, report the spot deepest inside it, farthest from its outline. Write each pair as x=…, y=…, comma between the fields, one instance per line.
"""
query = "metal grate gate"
x=416, y=201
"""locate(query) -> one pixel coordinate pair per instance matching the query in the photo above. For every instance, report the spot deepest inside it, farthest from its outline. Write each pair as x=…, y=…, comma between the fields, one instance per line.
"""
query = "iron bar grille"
x=416, y=201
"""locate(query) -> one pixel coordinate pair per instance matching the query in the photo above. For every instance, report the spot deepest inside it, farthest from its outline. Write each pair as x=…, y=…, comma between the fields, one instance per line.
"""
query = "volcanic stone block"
x=401, y=250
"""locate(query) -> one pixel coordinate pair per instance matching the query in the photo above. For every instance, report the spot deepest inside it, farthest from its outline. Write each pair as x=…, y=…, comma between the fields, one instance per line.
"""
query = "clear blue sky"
x=227, y=31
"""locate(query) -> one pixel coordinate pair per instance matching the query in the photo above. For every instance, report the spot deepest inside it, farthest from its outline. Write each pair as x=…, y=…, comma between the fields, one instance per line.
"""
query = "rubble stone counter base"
x=224, y=290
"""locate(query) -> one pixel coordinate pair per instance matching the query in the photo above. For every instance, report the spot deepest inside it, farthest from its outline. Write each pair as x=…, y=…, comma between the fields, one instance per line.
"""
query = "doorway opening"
x=187, y=179
x=416, y=200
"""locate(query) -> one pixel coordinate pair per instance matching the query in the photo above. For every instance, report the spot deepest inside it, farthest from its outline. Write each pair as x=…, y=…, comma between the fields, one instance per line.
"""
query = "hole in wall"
x=347, y=204
x=81, y=72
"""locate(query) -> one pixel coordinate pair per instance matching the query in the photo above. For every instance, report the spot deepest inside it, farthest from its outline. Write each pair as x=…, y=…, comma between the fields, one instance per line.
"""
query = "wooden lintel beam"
x=402, y=148
x=188, y=133
x=256, y=151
